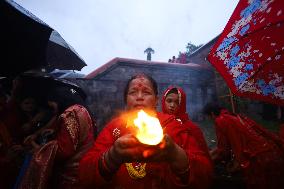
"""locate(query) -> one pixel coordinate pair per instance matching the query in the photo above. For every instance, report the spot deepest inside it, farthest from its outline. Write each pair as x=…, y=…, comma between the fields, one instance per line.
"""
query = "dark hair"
x=152, y=81
x=65, y=96
x=212, y=107
x=172, y=91
x=29, y=92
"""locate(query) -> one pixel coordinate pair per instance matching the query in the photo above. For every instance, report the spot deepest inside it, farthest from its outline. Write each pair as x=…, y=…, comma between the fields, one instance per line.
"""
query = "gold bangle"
x=103, y=161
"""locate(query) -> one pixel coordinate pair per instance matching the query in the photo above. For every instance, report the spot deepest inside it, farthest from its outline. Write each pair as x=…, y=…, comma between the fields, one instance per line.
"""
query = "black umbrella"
x=28, y=43
x=44, y=82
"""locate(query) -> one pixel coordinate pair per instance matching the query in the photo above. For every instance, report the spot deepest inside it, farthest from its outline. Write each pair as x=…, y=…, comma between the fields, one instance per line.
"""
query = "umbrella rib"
x=261, y=66
x=253, y=32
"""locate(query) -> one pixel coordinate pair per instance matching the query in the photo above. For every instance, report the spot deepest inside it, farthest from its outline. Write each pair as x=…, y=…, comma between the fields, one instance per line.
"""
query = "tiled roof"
x=116, y=61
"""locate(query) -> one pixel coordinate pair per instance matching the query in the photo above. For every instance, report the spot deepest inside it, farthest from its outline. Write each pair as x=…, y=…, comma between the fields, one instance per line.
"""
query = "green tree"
x=190, y=48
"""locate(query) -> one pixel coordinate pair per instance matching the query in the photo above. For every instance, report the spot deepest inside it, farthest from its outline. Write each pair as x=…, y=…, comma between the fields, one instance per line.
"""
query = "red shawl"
x=182, y=115
x=55, y=165
x=255, y=149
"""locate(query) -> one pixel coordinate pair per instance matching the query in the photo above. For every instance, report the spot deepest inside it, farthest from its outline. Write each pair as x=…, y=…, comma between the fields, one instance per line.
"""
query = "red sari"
x=258, y=152
x=158, y=175
x=74, y=136
x=8, y=176
x=8, y=165
x=182, y=116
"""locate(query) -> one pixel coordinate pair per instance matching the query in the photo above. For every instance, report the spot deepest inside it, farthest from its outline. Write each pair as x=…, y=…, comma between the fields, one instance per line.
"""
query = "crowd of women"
x=47, y=140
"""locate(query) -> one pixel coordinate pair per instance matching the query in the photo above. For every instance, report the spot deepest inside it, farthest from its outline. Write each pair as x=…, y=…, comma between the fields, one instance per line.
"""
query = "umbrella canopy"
x=28, y=43
x=44, y=82
x=249, y=52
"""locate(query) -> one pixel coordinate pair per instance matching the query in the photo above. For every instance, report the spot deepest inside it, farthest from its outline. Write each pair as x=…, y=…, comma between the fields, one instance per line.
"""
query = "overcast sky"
x=100, y=30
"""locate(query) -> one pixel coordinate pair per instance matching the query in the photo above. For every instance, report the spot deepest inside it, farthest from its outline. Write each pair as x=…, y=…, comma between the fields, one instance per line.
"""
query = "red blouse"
x=158, y=175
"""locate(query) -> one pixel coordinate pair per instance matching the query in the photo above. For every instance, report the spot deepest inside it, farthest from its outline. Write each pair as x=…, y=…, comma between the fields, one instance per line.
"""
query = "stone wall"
x=105, y=89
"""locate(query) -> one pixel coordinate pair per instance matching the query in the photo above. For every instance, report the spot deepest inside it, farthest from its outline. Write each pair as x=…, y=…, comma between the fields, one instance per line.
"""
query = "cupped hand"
x=164, y=151
x=128, y=149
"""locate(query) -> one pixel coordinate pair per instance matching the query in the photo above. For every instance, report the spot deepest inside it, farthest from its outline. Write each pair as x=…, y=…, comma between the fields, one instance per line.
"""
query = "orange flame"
x=149, y=129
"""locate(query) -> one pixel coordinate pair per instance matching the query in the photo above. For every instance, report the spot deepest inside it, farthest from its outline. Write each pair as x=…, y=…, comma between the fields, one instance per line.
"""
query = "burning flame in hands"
x=149, y=129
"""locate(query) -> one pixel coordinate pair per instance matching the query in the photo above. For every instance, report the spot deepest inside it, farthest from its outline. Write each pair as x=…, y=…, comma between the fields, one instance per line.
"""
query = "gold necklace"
x=136, y=172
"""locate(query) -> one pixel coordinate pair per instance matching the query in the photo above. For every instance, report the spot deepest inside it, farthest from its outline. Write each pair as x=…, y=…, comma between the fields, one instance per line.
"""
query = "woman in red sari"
x=56, y=162
x=255, y=151
x=174, y=103
x=118, y=160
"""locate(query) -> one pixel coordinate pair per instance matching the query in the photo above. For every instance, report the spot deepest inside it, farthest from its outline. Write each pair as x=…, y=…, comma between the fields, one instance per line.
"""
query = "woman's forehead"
x=172, y=95
x=140, y=82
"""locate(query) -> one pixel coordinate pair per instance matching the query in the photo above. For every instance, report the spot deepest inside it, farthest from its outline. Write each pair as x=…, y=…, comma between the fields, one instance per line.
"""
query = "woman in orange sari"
x=118, y=160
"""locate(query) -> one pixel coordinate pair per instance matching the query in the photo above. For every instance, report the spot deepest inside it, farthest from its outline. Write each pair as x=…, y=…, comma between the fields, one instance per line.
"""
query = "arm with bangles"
x=104, y=159
x=199, y=171
x=188, y=166
x=128, y=149
x=179, y=162
x=90, y=172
